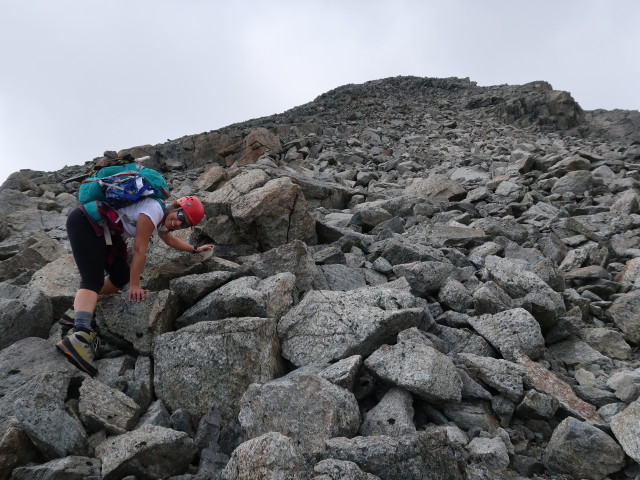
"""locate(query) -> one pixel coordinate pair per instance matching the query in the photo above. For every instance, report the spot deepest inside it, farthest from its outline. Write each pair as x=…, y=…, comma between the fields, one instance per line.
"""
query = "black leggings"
x=90, y=253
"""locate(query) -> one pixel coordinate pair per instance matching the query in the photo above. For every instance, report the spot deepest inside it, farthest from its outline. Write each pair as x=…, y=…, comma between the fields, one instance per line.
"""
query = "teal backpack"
x=119, y=185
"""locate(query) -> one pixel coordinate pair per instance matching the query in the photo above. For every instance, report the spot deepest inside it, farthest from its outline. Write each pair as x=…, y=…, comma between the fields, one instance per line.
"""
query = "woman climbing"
x=97, y=249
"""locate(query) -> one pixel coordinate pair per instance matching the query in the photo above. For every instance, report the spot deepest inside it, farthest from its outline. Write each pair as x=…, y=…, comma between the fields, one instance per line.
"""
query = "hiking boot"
x=80, y=348
x=67, y=320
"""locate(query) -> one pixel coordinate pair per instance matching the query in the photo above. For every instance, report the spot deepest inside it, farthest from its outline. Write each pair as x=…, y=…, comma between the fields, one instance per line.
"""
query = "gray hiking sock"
x=82, y=321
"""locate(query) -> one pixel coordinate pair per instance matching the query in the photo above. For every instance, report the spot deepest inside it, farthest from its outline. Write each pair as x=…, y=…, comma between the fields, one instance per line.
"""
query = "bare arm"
x=175, y=242
x=144, y=230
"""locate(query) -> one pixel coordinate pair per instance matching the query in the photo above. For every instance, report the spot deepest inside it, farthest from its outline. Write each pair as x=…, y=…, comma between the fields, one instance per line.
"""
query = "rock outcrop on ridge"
x=415, y=278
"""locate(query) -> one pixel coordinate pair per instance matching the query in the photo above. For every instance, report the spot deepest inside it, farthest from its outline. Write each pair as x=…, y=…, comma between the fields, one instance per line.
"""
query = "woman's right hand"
x=137, y=294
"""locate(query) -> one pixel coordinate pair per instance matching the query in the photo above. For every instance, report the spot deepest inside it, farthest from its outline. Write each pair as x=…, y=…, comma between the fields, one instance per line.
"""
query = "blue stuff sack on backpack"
x=119, y=186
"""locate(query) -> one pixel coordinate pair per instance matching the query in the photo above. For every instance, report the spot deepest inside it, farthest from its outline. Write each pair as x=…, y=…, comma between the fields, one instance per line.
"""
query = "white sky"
x=79, y=77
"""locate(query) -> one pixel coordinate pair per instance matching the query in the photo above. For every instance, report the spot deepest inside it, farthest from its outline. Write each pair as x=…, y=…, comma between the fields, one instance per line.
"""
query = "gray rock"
x=344, y=372
x=137, y=324
x=514, y=277
x=455, y=295
x=459, y=340
x=624, y=313
x=275, y=214
x=327, y=326
x=511, y=331
x=305, y=407
x=68, y=468
x=58, y=280
x=425, y=454
x=148, y=453
x=102, y=407
x=392, y=416
x=468, y=415
x=537, y=405
x=212, y=462
x=20, y=366
x=156, y=415
x=417, y=368
x=425, y=278
x=140, y=388
x=331, y=469
x=271, y=455
x=491, y=452
x=342, y=277
x=23, y=313
x=244, y=297
x=191, y=288
x=181, y=421
x=218, y=360
x=576, y=182
x=436, y=186
x=505, y=227
x=576, y=352
x=490, y=298
x=219, y=201
x=115, y=372
x=399, y=250
x=625, y=427
x=582, y=450
x=41, y=411
x=209, y=428
x=504, y=376
x=295, y=257
x=34, y=253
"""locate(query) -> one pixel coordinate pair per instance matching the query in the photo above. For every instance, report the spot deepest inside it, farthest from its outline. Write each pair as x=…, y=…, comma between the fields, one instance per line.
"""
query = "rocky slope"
x=415, y=278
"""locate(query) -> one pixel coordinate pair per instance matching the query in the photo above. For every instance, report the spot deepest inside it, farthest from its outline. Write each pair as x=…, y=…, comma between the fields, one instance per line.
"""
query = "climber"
x=93, y=255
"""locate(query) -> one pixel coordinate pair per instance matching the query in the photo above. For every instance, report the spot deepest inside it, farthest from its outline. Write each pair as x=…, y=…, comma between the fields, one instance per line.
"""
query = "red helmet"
x=192, y=208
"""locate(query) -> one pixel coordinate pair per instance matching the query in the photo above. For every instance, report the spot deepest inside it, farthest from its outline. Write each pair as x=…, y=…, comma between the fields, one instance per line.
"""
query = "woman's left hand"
x=204, y=248
x=137, y=294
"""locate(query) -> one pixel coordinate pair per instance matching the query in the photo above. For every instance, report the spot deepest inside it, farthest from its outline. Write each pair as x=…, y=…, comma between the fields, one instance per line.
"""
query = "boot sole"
x=76, y=360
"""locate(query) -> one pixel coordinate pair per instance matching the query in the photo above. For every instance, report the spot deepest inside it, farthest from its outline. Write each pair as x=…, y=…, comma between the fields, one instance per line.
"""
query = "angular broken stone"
x=327, y=326
x=40, y=409
x=392, y=416
x=138, y=324
x=214, y=363
x=626, y=428
x=332, y=469
x=148, y=452
x=582, y=450
x=68, y=468
x=511, y=331
x=504, y=376
x=102, y=407
x=271, y=455
x=425, y=454
x=305, y=407
x=417, y=368
x=344, y=372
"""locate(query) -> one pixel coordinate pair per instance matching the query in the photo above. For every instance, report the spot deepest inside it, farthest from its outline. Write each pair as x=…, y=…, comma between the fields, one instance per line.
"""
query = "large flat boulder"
x=213, y=363
x=330, y=325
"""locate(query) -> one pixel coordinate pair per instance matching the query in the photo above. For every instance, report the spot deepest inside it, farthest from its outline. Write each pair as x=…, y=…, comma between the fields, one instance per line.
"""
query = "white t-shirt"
x=149, y=206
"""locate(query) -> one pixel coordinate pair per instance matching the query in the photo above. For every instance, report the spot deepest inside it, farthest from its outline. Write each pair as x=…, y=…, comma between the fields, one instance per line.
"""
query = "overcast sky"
x=79, y=77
